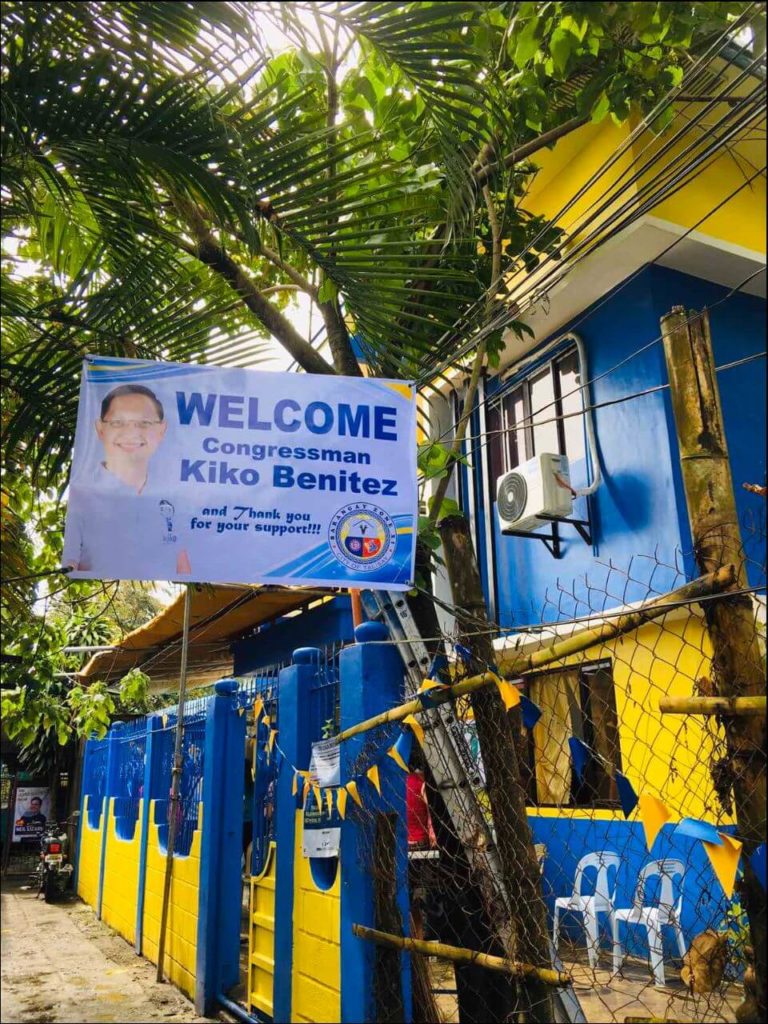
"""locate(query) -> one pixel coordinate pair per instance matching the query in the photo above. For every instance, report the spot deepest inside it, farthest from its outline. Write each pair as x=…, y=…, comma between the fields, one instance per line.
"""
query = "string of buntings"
x=723, y=850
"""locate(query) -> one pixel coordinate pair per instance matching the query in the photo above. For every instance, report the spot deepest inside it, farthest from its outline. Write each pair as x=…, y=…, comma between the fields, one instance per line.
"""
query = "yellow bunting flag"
x=654, y=813
x=164, y=719
x=429, y=684
x=351, y=788
x=241, y=712
x=295, y=785
x=418, y=729
x=272, y=736
x=394, y=753
x=329, y=801
x=373, y=775
x=267, y=720
x=725, y=860
x=253, y=761
x=508, y=692
x=318, y=798
x=341, y=802
x=305, y=791
x=258, y=707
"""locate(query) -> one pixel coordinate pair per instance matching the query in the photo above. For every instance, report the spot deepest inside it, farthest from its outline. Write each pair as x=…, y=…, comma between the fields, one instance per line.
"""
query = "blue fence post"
x=371, y=681
x=110, y=788
x=218, y=922
x=153, y=723
x=295, y=739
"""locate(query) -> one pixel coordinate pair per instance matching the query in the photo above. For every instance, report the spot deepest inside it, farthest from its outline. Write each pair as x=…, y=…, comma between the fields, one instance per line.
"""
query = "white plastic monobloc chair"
x=666, y=910
x=589, y=905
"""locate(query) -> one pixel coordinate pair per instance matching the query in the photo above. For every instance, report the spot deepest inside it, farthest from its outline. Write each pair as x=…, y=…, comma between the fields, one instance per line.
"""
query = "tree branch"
x=298, y=279
x=469, y=398
x=209, y=252
x=483, y=171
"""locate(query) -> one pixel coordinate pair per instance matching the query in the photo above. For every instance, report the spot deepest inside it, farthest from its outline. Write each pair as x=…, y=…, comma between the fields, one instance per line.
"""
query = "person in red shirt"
x=420, y=831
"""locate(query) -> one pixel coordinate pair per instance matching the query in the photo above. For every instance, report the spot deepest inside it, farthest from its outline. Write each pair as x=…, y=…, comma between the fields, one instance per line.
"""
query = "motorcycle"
x=54, y=871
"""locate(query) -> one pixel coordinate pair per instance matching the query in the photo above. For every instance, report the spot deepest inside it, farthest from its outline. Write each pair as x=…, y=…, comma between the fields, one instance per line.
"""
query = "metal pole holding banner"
x=175, y=781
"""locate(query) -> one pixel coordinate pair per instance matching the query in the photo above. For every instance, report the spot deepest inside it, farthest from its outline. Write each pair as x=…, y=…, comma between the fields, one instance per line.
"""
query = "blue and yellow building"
x=595, y=361
x=633, y=248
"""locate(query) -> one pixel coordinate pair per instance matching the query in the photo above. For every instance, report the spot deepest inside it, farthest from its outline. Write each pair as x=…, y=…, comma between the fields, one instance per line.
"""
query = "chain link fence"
x=634, y=826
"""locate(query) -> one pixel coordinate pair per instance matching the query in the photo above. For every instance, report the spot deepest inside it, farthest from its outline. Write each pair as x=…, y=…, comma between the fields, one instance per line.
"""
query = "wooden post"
x=736, y=662
x=499, y=733
x=178, y=763
x=521, y=663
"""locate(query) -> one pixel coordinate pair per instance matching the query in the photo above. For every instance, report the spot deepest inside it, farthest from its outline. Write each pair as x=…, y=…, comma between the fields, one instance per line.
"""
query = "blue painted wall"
x=569, y=839
x=638, y=513
x=276, y=643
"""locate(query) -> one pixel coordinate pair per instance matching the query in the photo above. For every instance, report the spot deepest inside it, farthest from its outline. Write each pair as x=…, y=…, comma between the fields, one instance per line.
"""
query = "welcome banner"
x=209, y=474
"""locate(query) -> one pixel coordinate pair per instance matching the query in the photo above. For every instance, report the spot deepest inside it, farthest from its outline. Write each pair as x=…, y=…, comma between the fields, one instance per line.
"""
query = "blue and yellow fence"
x=124, y=833
x=301, y=910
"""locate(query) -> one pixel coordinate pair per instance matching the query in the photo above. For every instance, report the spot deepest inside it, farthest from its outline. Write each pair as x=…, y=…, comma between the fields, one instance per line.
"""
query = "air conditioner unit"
x=534, y=492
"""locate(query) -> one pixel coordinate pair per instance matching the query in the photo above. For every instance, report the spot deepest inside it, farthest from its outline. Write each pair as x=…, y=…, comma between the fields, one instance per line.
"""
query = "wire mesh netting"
x=614, y=867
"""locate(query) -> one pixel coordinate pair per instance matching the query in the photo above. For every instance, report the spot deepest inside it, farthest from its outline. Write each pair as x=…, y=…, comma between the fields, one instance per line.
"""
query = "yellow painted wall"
x=121, y=877
x=569, y=166
x=564, y=170
x=261, y=936
x=667, y=755
x=181, y=937
x=90, y=855
x=316, y=982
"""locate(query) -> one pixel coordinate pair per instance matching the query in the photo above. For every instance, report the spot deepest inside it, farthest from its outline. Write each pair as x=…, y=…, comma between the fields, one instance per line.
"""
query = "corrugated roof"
x=218, y=616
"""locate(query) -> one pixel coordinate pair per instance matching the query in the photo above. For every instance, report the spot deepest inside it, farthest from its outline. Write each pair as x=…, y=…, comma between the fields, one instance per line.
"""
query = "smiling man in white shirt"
x=121, y=525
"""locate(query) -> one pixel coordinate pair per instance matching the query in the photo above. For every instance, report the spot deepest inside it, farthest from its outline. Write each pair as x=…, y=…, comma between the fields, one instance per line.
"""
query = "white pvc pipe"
x=588, y=414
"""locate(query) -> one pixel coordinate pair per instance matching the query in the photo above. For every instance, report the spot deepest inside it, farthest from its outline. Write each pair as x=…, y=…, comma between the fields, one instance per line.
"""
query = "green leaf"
x=327, y=291
x=527, y=42
x=448, y=507
x=600, y=109
x=561, y=45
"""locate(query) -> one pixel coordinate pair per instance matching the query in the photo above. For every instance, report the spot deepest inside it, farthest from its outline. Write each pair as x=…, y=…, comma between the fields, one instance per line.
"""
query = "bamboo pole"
x=710, y=583
x=413, y=707
x=178, y=764
x=731, y=707
x=458, y=954
x=737, y=664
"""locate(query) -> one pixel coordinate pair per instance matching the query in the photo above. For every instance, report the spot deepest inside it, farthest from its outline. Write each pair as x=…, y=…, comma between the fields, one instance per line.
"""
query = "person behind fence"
x=420, y=831
x=120, y=522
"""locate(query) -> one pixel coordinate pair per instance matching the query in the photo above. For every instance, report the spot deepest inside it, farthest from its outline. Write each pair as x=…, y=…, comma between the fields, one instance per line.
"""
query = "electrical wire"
x=537, y=289
x=488, y=436
x=622, y=148
x=602, y=405
x=629, y=141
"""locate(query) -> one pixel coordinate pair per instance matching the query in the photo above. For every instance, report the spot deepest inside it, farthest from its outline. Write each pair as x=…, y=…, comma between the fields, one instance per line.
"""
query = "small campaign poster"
x=31, y=813
x=214, y=474
x=325, y=763
x=322, y=831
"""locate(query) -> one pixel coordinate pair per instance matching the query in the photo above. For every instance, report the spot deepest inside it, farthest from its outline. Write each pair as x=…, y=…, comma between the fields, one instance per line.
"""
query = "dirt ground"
x=60, y=964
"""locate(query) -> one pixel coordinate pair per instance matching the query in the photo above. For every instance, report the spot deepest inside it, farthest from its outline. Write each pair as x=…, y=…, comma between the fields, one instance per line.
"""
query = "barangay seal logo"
x=362, y=536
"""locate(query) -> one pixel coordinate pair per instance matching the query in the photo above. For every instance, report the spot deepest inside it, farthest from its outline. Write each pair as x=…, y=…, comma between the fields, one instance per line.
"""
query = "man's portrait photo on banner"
x=131, y=427
x=119, y=492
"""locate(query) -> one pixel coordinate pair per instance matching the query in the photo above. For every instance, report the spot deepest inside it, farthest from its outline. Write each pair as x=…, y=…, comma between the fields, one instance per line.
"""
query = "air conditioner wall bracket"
x=551, y=541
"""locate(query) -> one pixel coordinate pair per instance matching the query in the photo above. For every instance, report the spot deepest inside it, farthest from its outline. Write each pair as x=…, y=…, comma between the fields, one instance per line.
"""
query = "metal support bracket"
x=551, y=541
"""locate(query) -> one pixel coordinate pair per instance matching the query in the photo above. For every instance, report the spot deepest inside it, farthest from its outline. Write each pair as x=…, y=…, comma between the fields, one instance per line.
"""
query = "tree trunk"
x=499, y=733
x=482, y=995
x=736, y=660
